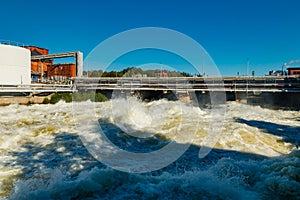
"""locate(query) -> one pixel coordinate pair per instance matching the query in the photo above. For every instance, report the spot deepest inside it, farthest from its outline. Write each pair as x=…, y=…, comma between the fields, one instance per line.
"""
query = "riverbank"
x=23, y=100
x=51, y=98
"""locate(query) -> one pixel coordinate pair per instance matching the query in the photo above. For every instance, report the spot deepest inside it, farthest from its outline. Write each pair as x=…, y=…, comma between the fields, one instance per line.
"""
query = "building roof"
x=293, y=68
x=35, y=53
x=35, y=47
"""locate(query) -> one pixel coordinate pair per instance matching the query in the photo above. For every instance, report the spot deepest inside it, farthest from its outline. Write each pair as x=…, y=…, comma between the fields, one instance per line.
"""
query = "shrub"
x=97, y=97
x=30, y=102
x=100, y=97
x=55, y=98
x=68, y=97
x=46, y=101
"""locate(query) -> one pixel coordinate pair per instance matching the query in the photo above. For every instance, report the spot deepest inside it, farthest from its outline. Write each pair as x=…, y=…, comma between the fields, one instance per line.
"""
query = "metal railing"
x=12, y=43
x=231, y=84
x=36, y=88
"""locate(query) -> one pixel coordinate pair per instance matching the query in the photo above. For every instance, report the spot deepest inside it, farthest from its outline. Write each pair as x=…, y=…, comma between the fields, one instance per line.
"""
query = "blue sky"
x=267, y=32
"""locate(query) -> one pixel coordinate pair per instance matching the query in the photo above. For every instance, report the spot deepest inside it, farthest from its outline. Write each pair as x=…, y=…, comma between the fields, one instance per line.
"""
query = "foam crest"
x=43, y=158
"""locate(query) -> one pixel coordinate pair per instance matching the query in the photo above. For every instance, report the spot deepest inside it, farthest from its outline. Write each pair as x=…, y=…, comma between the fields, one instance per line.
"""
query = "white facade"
x=15, y=67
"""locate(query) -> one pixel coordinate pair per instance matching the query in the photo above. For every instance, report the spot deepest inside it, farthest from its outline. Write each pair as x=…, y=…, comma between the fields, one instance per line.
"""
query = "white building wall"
x=14, y=65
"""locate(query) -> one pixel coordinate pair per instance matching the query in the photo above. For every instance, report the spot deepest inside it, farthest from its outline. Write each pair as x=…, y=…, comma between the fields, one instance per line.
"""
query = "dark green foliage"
x=96, y=97
x=100, y=97
x=30, y=103
x=80, y=97
x=185, y=74
x=55, y=98
x=46, y=101
x=67, y=97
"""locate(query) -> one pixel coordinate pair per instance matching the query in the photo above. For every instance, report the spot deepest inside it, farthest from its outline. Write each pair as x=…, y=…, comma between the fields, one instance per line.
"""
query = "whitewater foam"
x=42, y=156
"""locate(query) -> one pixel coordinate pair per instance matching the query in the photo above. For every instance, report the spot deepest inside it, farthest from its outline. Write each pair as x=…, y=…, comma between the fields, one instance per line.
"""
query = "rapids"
x=42, y=156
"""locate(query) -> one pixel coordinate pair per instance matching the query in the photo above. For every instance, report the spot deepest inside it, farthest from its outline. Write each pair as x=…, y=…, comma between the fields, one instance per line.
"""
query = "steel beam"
x=77, y=55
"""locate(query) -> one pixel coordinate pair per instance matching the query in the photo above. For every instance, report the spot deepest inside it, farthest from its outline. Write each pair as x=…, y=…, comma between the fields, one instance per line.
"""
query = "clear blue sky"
x=267, y=32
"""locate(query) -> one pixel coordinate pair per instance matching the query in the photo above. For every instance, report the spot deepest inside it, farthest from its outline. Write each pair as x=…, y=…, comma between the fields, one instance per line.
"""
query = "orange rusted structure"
x=294, y=71
x=39, y=66
x=37, y=50
x=67, y=70
x=47, y=69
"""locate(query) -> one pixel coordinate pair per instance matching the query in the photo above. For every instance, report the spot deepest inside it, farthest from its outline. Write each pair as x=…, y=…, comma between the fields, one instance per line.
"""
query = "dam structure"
x=272, y=90
x=20, y=64
x=282, y=91
x=228, y=84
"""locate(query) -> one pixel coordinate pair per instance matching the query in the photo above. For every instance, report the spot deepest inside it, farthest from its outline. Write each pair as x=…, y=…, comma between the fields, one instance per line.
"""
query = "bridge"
x=35, y=89
x=177, y=84
x=190, y=84
x=283, y=91
x=278, y=91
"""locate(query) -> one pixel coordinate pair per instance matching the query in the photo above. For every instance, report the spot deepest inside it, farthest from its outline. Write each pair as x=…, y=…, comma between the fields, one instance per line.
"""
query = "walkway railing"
x=178, y=84
x=12, y=43
x=35, y=88
x=230, y=84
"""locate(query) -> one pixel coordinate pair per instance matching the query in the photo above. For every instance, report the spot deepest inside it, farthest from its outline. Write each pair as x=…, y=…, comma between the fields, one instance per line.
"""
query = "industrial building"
x=39, y=68
x=61, y=71
x=293, y=71
x=46, y=70
x=15, y=62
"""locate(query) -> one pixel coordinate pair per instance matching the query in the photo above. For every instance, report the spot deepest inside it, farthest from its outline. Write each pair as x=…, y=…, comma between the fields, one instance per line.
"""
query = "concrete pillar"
x=79, y=64
x=241, y=97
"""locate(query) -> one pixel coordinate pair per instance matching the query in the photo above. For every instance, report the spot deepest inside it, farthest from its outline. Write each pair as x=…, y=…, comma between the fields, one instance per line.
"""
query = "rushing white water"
x=42, y=156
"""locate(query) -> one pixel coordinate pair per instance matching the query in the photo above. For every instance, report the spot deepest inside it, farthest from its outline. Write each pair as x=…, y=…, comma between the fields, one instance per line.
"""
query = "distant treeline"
x=136, y=72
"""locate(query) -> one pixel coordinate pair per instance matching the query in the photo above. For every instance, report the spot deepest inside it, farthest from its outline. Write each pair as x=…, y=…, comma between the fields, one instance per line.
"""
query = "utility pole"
x=247, y=68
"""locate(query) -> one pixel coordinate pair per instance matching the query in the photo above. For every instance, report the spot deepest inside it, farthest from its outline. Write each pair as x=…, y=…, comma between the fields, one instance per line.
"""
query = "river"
x=43, y=156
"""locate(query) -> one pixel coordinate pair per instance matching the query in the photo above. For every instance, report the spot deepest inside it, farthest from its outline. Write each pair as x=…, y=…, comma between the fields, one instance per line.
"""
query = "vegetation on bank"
x=69, y=97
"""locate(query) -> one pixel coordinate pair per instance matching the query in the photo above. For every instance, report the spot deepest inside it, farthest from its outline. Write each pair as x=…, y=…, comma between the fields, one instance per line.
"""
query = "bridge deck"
x=177, y=84
x=228, y=84
x=35, y=88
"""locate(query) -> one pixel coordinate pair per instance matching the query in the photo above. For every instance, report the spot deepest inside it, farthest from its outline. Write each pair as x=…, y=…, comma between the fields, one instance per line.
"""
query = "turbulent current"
x=255, y=156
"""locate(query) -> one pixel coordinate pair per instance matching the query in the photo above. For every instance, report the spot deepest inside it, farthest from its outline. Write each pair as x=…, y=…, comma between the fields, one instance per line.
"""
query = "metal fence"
x=12, y=43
